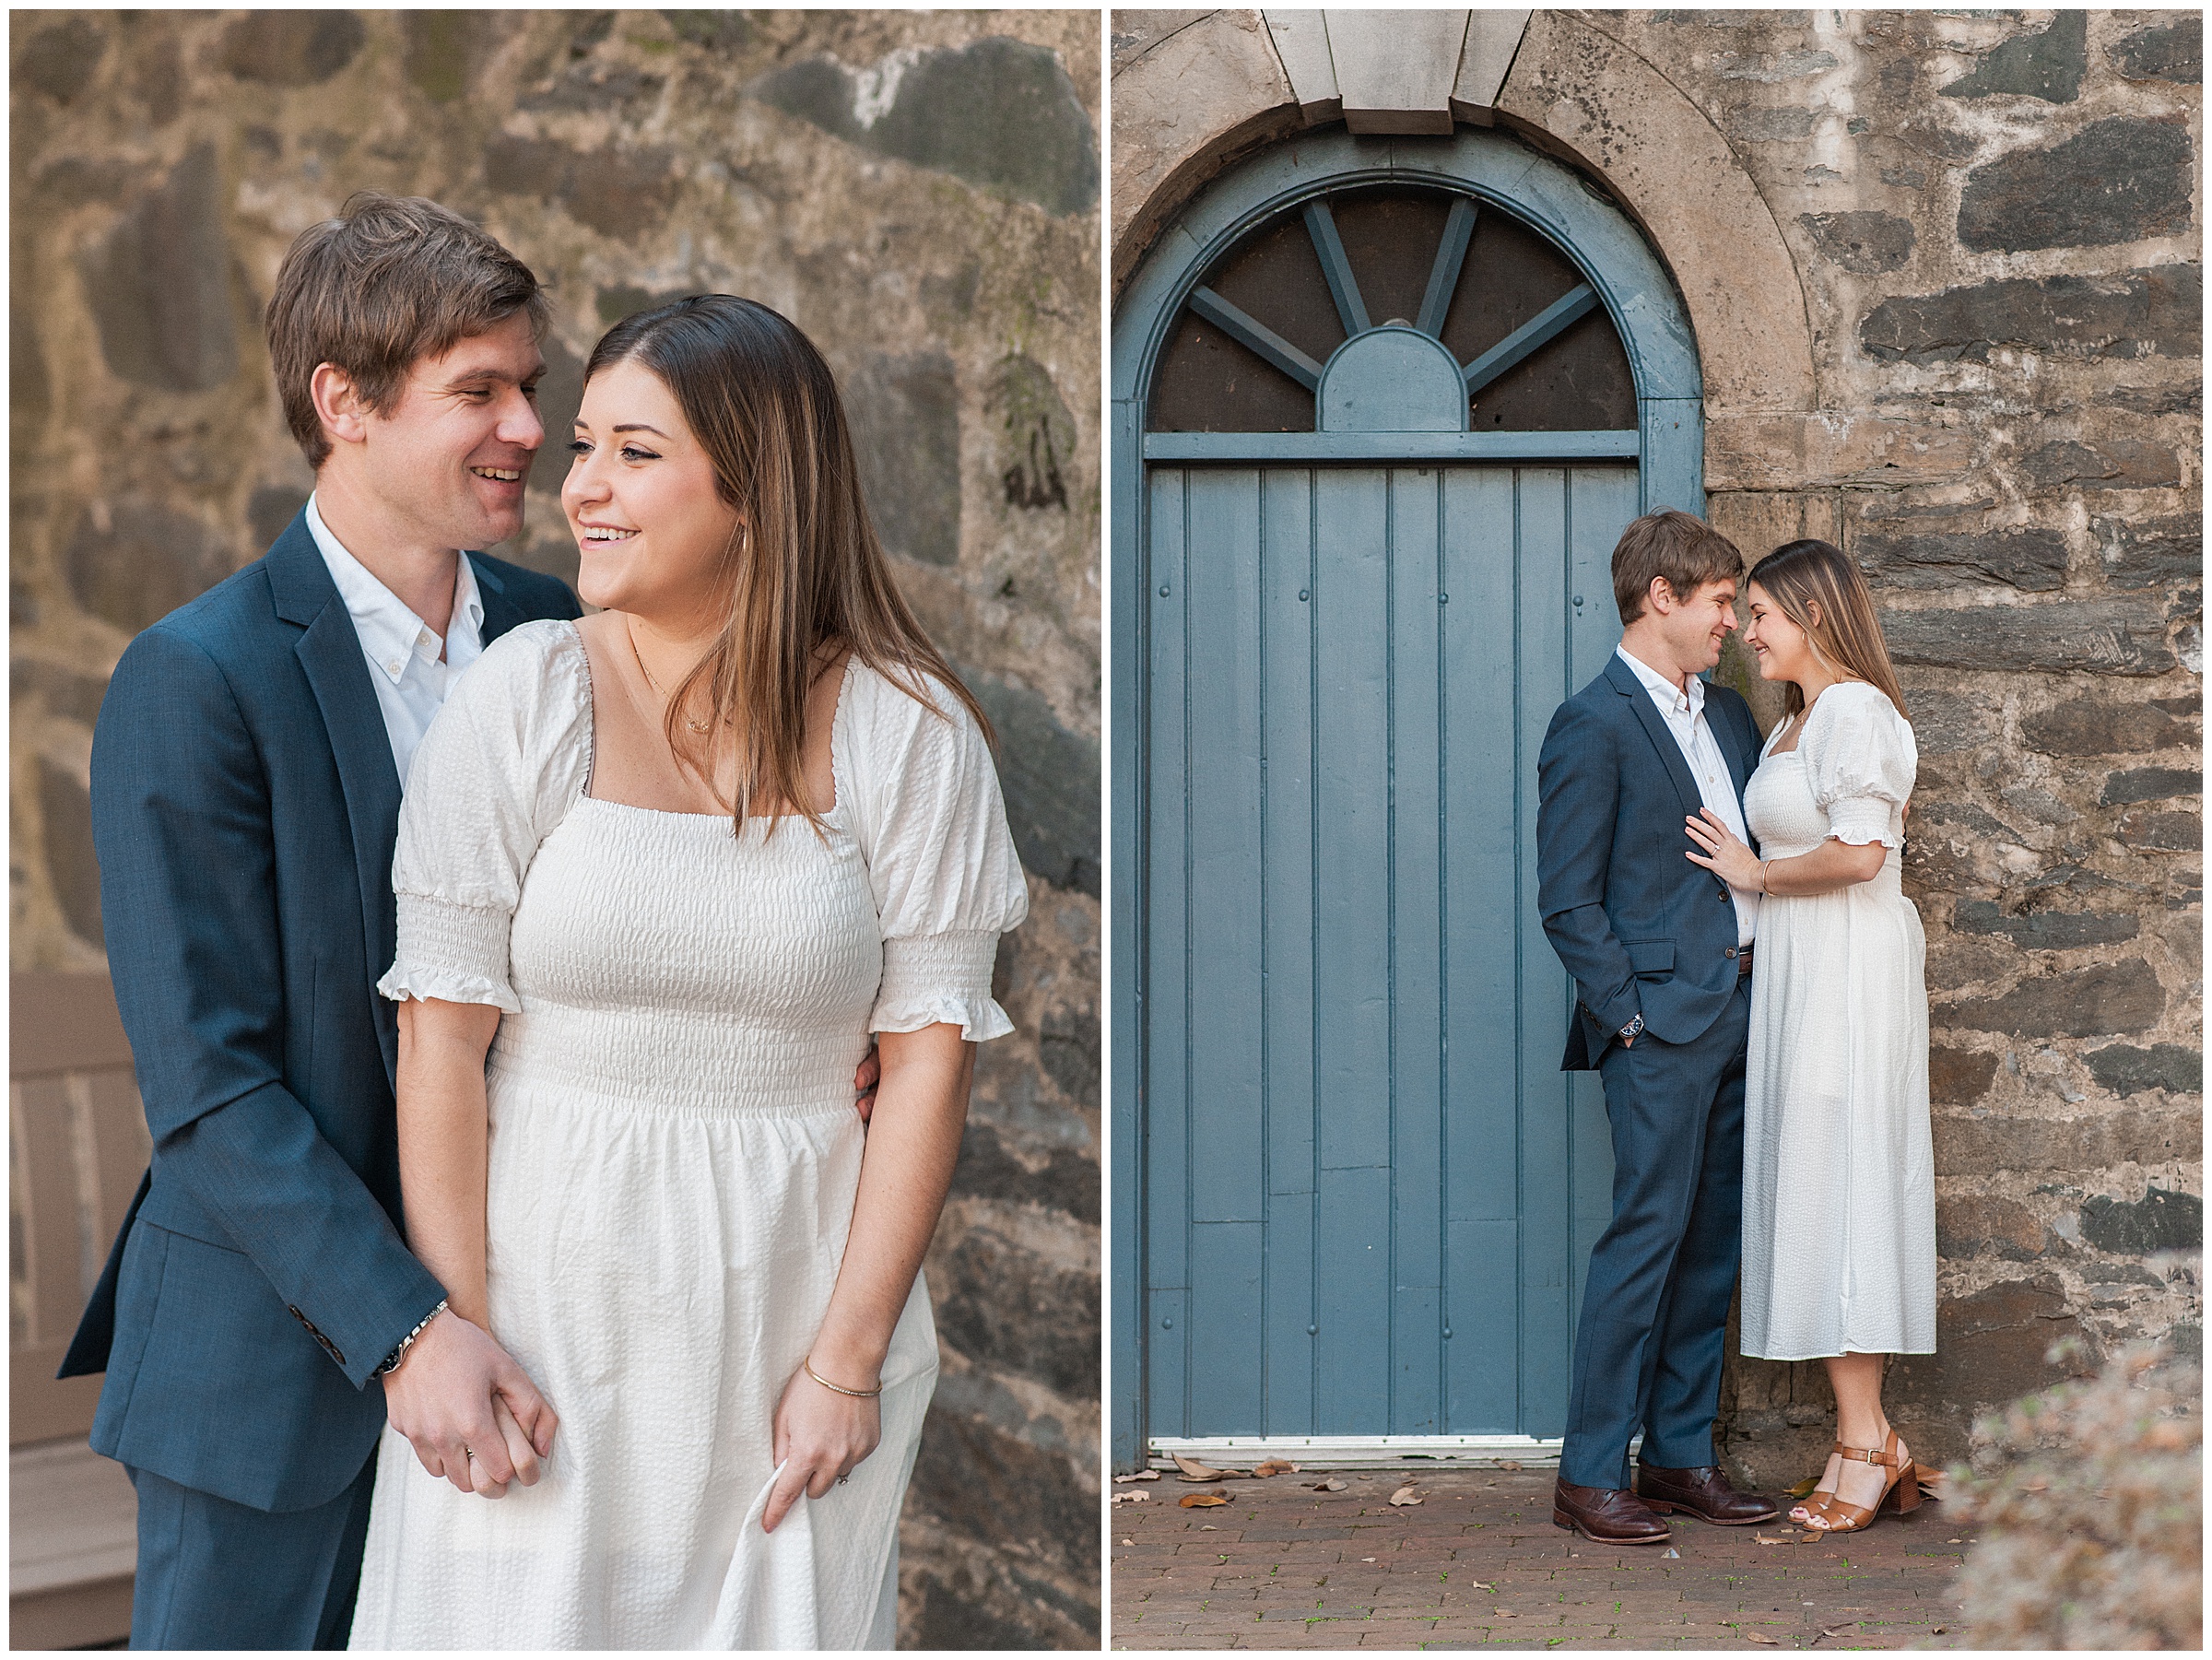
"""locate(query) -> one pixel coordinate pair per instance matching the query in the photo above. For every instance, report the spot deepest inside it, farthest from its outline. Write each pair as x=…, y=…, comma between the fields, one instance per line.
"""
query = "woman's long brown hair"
x=805, y=573
x=1821, y=591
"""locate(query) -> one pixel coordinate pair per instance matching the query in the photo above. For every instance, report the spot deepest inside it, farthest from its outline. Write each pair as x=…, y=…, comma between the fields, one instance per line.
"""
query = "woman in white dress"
x=661, y=873
x=1839, y=1171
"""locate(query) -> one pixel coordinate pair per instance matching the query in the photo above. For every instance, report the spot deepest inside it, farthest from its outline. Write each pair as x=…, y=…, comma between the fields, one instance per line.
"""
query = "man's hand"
x=471, y=1414
x=863, y=1083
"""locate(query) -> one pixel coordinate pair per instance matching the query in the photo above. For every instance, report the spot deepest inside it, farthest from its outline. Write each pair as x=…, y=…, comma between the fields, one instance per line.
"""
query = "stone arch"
x=1214, y=86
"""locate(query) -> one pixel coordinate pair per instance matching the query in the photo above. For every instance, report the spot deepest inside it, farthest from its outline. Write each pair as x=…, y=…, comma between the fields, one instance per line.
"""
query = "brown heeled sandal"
x=1900, y=1492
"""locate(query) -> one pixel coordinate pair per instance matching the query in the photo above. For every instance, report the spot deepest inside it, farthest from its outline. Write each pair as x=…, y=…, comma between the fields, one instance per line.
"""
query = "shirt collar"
x=390, y=632
x=1670, y=694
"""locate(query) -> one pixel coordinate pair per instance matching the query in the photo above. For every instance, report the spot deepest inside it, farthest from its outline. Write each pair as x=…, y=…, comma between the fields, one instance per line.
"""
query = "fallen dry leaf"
x=1275, y=1467
x=1838, y=1631
x=1209, y=1527
x=1406, y=1495
x=1128, y=1541
x=1803, y=1488
x=1507, y=1612
x=1330, y=1485
x=1762, y=1637
x=1140, y=1476
x=1198, y=1501
x=1195, y=1471
x=1509, y=1464
x=1770, y=1540
x=1131, y=1498
x=1480, y=1586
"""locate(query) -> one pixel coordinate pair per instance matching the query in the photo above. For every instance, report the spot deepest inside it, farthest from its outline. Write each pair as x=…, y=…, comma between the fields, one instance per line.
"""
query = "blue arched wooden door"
x=1381, y=408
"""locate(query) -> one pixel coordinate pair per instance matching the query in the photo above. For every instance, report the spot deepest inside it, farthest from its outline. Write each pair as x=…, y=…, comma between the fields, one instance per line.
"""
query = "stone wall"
x=920, y=193
x=1945, y=268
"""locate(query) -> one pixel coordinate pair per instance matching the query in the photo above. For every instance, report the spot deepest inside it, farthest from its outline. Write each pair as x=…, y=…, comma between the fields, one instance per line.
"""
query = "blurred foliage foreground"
x=2089, y=1502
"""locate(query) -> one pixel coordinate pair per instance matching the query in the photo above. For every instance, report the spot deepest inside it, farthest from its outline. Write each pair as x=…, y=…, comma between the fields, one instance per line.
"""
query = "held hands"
x=1725, y=856
x=821, y=1437
x=472, y=1414
x=864, y=1078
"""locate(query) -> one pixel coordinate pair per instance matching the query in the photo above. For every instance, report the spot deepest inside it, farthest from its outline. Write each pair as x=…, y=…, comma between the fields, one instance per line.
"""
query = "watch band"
x=1632, y=1028
x=392, y=1360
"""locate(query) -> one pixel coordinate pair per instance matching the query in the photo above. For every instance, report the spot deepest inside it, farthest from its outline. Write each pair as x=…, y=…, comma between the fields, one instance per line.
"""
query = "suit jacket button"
x=1729, y=952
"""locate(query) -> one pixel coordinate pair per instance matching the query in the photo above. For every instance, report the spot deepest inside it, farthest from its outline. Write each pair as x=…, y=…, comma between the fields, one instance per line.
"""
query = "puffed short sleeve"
x=1860, y=759
x=500, y=767
x=925, y=809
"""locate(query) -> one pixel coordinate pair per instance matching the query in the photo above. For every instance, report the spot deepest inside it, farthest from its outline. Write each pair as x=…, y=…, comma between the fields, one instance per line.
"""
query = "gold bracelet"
x=1762, y=876
x=862, y=1394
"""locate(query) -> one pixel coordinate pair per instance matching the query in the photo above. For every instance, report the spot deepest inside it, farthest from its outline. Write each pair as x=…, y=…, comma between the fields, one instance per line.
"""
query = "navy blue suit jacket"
x=1642, y=929
x=244, y=805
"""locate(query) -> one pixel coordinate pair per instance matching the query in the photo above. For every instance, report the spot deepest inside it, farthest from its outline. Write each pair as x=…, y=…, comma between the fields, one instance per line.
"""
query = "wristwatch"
x=1632, y=1029
x=392, y=1360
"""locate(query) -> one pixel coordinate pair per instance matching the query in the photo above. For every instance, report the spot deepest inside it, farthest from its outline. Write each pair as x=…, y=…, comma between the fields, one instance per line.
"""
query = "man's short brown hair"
x=390, y=280
x=1675, y=545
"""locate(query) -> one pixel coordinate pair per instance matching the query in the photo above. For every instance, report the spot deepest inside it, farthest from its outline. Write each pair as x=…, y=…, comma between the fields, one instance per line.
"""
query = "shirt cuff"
x=456, y=953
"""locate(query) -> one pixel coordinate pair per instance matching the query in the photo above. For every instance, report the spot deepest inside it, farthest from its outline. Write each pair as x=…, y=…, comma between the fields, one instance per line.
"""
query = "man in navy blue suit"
x=1661, y=954
x=260, y=1310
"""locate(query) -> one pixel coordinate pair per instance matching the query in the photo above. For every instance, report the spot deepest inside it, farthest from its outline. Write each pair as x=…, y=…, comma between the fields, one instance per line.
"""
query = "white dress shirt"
x=1684, y=713
x=411, y=668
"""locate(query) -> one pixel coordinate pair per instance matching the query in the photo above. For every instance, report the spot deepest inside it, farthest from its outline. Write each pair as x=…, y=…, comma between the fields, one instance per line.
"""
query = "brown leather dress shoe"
x=1704, y=1492
x=1606, y=1515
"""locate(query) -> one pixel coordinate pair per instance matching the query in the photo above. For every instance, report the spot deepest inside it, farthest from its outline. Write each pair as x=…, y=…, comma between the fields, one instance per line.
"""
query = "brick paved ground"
x=1479, y=1564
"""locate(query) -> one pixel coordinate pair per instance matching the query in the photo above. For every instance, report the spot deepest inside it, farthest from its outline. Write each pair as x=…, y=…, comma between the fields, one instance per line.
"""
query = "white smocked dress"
x=673, y=1155
x=1839, y=1171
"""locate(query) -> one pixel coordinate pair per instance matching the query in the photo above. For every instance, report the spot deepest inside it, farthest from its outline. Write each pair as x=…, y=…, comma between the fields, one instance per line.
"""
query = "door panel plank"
x=1221, y=681
x=1286, y=923
x=1224, y=1337
x=1166, y=1133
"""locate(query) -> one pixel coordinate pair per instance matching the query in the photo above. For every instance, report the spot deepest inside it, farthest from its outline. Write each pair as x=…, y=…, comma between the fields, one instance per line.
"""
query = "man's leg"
x=1685, y=1389
x=1656, y=1097
x=213, y=1574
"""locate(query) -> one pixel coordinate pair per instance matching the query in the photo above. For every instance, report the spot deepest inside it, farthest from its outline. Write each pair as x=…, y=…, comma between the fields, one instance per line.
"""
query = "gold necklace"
x=637, y=658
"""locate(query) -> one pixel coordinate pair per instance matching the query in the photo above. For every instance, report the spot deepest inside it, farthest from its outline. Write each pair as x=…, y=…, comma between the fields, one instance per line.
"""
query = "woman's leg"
x=1860, y=1422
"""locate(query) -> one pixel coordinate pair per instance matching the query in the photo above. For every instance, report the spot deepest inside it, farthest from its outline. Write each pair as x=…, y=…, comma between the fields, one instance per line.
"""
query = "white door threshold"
x=1360, y=1452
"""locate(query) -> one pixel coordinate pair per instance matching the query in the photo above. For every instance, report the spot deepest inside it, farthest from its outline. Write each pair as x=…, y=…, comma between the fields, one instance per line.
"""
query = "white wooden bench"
x=78, y=1145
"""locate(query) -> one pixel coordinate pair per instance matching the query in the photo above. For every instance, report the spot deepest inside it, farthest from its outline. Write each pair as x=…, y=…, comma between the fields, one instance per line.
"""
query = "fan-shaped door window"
x=1393, y=308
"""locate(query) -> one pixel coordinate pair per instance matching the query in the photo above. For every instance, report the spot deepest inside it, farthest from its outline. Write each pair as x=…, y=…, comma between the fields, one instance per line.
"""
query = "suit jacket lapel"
x=329, y=655
x=500, y=612
x=1654, y=724
x=1740, y=753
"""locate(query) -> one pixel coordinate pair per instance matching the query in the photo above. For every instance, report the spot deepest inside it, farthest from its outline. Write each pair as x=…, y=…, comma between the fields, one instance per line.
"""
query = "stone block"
x=2151, y=553
x=2103, y=637
x=2095, y=725
x=2044, y=930
x=1866, y=242
x=2113, y=463
x=1063, y=1180
x=1974, y=1225
x=1959, y=1078
x=989, y=1483
x=134, y=561
x=2098, y=1001
x=65, y=822
x=2126, y=1070
x=615, y=190
x=2171, y=51
x=1757, y=123
x=2120, y=181
x=1947, y=724
x=1037, y=434
x=905, y=411
x=59, y=60
x=1051, y=779
x=2150, y=783
x=292, y=47
x=1991, y=1346
x=997, y=112
x=2031, y=559
x=159, y=285
x=716, y=30
x=1010, y=1310
x=269, y=509
x=2040, y=1147
x=2155, y=311
x=1829, y=447
x=2157, y=1222
x=2047, y=65
x=57, y=690
x=2162, y=832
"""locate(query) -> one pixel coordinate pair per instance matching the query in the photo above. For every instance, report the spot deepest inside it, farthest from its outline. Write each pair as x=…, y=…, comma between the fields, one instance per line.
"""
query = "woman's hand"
x=821, y=1437
x=1725, y=857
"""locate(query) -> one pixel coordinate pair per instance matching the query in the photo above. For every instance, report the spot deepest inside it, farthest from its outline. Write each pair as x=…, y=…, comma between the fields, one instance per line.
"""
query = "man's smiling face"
x=451, y=460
